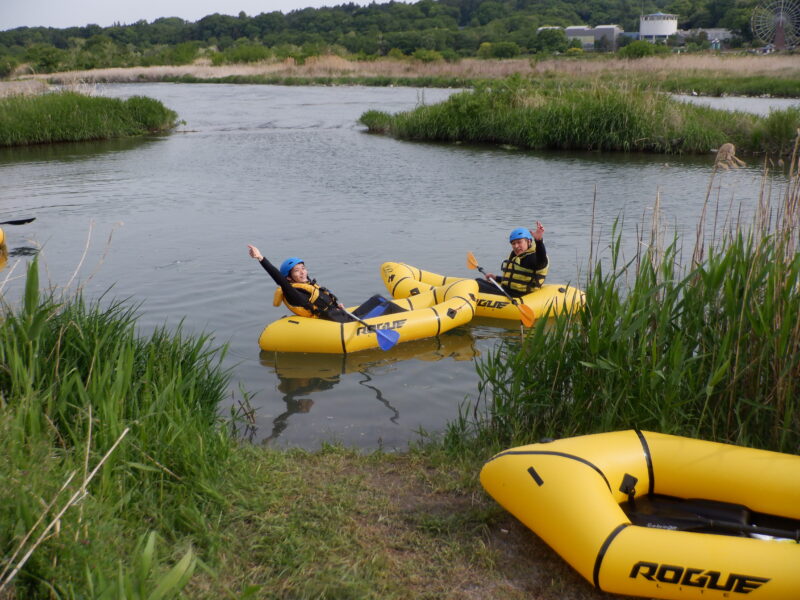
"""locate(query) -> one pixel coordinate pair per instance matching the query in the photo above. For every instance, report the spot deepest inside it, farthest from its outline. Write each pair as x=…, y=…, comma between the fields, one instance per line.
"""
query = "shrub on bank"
x=73, y=117
x=80, y=391
x=598, y=117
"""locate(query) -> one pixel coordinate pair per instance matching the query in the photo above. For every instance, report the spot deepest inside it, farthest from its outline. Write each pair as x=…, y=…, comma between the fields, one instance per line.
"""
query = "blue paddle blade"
x=387, y=338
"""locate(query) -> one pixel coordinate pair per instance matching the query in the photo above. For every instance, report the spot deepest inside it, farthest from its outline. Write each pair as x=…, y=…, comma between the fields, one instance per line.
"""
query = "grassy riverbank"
x=601, y=117
x=119, y=480
x=119, y=432
x=73, y=117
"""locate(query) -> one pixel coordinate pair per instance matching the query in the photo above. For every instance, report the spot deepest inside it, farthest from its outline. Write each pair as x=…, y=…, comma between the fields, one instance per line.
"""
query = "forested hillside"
x=451, y=27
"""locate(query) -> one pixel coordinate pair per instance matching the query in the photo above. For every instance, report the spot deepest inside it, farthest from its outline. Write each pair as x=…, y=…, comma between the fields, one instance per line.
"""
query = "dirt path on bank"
x=516, y=563
x=410, y=526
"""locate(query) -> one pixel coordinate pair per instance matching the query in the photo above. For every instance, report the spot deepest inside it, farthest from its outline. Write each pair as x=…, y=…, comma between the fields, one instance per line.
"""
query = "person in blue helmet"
x=304, y=297
x=525, y=268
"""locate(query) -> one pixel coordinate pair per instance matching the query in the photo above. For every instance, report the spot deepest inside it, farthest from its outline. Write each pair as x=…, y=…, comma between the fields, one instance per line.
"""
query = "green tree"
x=45, y=58
x=637, y=49
x=505, y=50
x=551, y=40
x=490, y=11
x=485, y=50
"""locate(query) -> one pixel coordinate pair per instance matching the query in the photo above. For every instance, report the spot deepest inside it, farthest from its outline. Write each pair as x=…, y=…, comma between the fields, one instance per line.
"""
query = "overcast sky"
x=70, y=13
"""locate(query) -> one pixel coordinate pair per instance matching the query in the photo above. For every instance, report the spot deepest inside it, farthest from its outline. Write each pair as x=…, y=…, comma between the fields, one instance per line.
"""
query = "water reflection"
x=301, y=375
x=73, y=151
x=18, y=251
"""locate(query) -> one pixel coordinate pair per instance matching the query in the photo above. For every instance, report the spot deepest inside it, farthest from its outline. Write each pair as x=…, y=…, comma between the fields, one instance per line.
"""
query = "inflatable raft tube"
x=428, y=315
x=403, y=280
x=2, y=237
x=455, y=345
x=745, y=509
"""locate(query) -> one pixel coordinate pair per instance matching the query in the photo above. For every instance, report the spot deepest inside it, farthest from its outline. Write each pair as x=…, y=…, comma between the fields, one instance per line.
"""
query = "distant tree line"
x=446, y=29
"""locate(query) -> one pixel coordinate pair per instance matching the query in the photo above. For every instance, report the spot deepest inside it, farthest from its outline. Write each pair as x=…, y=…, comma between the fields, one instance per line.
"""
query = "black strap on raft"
x=628, y=487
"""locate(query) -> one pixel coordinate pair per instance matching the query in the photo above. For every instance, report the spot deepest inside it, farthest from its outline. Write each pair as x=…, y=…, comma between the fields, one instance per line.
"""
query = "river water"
x=165, y=222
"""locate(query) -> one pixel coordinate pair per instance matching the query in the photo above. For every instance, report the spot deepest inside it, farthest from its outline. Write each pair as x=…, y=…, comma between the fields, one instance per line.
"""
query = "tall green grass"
x=80, y=390
x=73, y=117
x=743, y=85
x=602, y=117
x=706, y=346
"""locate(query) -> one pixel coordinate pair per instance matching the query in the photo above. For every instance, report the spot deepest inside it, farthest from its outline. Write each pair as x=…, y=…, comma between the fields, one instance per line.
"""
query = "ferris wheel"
x=777, y=22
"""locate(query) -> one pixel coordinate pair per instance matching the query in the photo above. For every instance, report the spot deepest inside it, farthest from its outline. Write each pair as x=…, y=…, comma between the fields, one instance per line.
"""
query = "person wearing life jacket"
x=304, y=297
x=525, y=268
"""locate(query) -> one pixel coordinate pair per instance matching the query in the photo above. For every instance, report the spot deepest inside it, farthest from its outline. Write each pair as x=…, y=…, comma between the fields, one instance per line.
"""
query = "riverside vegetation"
x=120, y=479
x=706, y=345
x=72, y=117
x=605, y=117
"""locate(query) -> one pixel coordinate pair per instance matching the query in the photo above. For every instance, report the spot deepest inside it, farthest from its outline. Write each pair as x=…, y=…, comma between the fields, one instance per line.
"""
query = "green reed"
x=706, y=346
x=719, y=85
x=606, y=117
x=78, y=389
x=73, y=117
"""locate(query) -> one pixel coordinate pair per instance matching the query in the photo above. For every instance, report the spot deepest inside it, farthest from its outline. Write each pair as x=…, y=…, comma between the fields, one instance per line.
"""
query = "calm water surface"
x=165, y=221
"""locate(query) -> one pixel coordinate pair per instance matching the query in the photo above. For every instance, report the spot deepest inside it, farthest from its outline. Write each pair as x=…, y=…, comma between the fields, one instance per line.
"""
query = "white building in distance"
x=590, y=36
x=657, y=26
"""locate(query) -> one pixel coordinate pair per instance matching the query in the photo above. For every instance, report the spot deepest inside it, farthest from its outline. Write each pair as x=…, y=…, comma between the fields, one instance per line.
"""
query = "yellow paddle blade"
x=472, y=262
x=526, y=315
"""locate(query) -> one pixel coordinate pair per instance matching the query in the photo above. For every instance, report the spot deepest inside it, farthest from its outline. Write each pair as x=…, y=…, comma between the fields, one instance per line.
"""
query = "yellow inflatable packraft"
x=571, y=493
x=429, y=314
x=403, y=281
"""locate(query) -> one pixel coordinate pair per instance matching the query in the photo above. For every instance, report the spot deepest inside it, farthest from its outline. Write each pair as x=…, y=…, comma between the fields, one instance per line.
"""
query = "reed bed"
x=601, y=117
x=778, y=75
x=104, y=436
x=706, y=346
x=72, y=117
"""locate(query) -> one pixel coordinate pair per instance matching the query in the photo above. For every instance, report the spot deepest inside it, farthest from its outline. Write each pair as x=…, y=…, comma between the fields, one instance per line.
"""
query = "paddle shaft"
x=526, y=314
x=499, y=287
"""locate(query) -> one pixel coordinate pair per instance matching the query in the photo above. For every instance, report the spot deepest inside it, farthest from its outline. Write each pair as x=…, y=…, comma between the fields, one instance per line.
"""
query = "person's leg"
x=487, y=287
x=376, y=306
x=372, y=307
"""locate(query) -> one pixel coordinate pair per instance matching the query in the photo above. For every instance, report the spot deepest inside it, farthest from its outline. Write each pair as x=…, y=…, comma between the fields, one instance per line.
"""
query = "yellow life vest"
x=521, y=279
x=319, y=300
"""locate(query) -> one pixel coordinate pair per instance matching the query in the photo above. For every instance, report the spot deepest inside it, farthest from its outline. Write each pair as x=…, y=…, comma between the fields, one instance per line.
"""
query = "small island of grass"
x=539, y=116
x=72, y=117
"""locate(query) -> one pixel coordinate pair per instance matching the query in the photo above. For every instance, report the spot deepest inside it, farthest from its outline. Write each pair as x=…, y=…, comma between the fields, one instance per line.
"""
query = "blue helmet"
x=520, y=233
x=289, y=264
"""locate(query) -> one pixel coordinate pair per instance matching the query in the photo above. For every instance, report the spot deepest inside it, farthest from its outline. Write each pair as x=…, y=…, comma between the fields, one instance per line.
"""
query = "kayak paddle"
x=18, y=221
x=387, y=338
x=526, y=314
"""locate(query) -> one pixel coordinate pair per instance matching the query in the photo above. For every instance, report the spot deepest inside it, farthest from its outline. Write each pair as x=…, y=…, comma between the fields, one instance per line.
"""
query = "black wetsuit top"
x=299, y=297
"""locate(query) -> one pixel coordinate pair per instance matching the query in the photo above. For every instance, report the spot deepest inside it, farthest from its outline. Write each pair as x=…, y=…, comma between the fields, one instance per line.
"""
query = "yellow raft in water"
x=403, y=280
x=736, y=538
x=2, y=237
x=429, y=314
